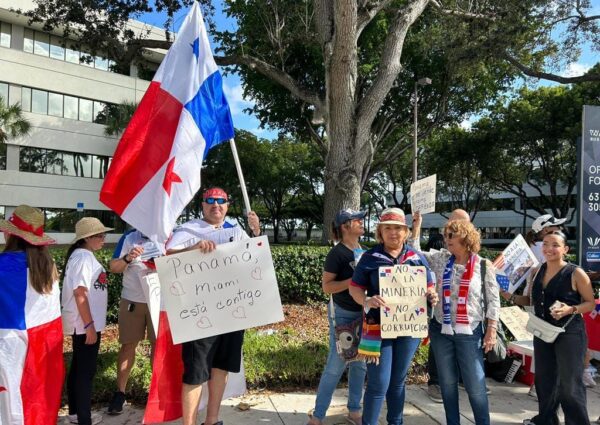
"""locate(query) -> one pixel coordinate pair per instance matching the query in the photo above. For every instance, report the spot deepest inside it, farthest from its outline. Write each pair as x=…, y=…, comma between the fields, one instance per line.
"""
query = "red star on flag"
x=170, y=177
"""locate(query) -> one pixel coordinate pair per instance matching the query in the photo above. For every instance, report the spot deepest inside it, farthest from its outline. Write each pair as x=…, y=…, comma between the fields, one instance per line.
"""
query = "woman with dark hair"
x=561, y=293
x=388, y=360
x=31, y=340
x=84, y=300
x=342, y=310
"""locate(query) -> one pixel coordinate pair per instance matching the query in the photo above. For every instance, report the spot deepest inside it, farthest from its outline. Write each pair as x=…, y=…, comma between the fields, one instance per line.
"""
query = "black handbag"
x=498, y=353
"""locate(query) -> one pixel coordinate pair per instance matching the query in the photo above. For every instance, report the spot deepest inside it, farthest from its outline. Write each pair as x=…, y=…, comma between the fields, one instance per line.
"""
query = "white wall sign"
x=232, y=288
x=422, y=194
x=404, y=289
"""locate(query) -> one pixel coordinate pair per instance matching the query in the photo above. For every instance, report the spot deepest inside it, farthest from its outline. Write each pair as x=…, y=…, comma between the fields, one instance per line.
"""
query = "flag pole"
x=238, y=167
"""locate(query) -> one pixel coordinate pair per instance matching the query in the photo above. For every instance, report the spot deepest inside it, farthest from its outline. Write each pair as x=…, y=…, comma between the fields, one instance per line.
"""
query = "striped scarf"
x=369, y=348
x=462, y=325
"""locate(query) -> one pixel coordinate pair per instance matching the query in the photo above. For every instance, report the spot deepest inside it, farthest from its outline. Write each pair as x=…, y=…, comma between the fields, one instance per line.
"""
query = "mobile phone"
x=131, y=307
x=557, y=304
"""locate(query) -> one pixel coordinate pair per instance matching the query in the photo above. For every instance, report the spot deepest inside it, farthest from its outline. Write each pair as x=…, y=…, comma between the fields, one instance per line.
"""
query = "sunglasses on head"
x=219, y=201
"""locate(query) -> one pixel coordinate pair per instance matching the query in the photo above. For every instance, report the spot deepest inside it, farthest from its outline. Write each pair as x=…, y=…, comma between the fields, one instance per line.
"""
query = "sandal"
x=354, y=420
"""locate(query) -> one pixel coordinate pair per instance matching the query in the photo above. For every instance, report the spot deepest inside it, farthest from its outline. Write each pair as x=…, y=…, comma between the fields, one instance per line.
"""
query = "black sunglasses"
x=448, y=235
x=219, y=201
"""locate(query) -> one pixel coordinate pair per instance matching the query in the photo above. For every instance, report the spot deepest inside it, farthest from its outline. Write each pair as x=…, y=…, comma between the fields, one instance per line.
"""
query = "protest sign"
x=404, y=289
x=422, y=194
x=230, y=289
x=515, y=319
x=151, y=288
x=514, y=264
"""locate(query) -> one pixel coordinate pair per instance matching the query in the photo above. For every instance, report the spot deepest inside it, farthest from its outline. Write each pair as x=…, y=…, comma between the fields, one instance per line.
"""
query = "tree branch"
x=549, y=76
x=367, y=12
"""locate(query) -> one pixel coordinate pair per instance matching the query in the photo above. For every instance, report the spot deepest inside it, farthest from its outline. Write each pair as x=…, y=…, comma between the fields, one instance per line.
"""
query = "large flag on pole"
x=31, y=347
x=155, y=171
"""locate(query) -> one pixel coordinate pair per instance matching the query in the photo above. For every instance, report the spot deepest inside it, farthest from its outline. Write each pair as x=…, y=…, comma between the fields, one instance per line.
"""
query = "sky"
x=246, y=121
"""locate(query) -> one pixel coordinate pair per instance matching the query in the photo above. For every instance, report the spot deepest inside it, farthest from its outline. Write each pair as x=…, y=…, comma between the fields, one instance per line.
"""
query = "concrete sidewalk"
x=509, y=404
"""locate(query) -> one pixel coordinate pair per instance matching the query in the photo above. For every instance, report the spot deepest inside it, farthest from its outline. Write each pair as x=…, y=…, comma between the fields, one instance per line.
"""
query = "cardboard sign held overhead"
x=230, y=289
x=404, y=289
x=422, y=195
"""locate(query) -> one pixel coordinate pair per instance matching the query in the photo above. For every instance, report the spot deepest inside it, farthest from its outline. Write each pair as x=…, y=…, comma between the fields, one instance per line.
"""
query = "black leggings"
x=81, y=377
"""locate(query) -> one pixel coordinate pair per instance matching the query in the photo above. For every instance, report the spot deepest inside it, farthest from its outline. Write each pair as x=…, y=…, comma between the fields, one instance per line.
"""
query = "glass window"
x=28, y=41
x=101, y=63
x=86, y=110
x=2, y=156
x=55, y=104
x=41, y=44
x=5, y=34
x=76, y=164
x=32, y=160
x=54, y=162
x=87, y=59
x=57, y=51
x=72, y=54
x=4, y=92
x=26, y=99
x=99, y=166
x=99, y=112
x=71, y=107
x=39, y=101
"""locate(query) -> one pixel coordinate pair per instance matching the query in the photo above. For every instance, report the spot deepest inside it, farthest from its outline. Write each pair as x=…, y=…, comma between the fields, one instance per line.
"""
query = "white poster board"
x=514, y=264
x=515, y=319
x=404, y=289
x=422, y=194
x=230, y=289
x=151, y=288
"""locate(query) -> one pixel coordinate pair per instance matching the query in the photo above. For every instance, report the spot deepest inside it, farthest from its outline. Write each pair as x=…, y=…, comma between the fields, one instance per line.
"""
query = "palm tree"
x=12, y=122
x=118, y=117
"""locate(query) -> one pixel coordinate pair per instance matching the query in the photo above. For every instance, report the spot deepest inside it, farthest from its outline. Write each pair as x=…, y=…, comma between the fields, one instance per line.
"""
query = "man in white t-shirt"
x=209, y=359
x=132, y=257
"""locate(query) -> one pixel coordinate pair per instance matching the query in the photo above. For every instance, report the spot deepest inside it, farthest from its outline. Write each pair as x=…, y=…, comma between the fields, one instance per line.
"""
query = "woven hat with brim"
x=392, y=216
x=27, y=223
x=546, y=220
x=89, y=226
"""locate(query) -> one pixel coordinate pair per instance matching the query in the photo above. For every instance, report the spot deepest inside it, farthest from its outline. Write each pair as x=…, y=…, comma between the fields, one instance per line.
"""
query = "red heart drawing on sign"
x=259, y=244
x=204, y=323
x=176, y=289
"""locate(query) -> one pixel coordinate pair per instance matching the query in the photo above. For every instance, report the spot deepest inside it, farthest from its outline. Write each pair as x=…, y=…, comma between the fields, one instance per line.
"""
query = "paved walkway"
x=509, y=404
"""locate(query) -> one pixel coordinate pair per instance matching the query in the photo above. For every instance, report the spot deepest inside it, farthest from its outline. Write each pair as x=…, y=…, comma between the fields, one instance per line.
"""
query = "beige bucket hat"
x=89, y=226
x=27, y=223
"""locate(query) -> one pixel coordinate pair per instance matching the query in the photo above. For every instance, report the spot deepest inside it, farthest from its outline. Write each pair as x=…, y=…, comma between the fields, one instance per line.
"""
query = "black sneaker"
x=116, y=404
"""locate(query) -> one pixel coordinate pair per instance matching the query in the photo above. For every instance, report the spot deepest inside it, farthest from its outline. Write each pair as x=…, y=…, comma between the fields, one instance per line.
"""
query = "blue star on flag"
x=196, y=47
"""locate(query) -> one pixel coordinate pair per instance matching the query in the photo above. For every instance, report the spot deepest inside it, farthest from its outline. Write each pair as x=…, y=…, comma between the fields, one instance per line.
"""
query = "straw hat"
x=27, y=223
x=89, y=226
x=392, y=216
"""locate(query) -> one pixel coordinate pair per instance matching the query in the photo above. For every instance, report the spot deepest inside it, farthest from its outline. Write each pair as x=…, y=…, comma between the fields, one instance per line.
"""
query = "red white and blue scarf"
x=463, y=324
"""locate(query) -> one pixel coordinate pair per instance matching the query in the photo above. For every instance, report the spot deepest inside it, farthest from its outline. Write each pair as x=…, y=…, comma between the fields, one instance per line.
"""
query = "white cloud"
x=235, y=97
x=576, y=68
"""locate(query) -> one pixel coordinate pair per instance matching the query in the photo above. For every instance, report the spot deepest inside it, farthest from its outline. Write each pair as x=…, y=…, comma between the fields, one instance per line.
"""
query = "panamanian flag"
x=31, y=347
x=155, y=171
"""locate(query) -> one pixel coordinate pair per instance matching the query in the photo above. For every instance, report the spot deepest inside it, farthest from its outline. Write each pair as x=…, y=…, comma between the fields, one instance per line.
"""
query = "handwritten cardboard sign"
x=151, y=288
x=422, y=194
x=515, y=319
x=404, y=289
x=230, y=289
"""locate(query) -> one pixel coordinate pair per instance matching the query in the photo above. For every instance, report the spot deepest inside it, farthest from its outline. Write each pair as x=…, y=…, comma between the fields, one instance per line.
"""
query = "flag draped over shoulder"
x=155, y=171
x=31, y=347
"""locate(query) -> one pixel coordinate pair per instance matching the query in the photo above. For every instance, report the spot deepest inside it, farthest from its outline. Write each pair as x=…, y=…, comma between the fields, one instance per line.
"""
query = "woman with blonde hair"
x=31, y=341
x=462, y=322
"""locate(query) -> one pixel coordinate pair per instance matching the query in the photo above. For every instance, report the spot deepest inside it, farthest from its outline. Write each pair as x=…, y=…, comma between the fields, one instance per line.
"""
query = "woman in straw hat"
x=84, y=300
x=388, y=360
x=31, y=340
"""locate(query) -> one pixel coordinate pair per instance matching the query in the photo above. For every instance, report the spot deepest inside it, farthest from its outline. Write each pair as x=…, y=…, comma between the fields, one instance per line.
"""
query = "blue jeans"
x=387, y=380
x=335, y=368
x=465, y=353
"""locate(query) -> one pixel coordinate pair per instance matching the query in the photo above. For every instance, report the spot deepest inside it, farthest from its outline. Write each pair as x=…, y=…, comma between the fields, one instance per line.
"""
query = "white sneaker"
x=96, y=418
x=588, y=380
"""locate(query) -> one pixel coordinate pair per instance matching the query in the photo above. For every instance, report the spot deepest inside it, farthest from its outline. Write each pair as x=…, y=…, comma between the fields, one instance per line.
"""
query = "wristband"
x=124, y=258
x=88, y=325
x=492, y=325
x=575, y=311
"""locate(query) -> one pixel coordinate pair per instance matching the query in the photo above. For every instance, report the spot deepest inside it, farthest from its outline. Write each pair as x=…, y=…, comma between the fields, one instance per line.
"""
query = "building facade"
x=59, y=167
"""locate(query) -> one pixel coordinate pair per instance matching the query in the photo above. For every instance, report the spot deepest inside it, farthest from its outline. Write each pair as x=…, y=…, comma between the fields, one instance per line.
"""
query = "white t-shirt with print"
x=135, y=271
x=83, y=269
